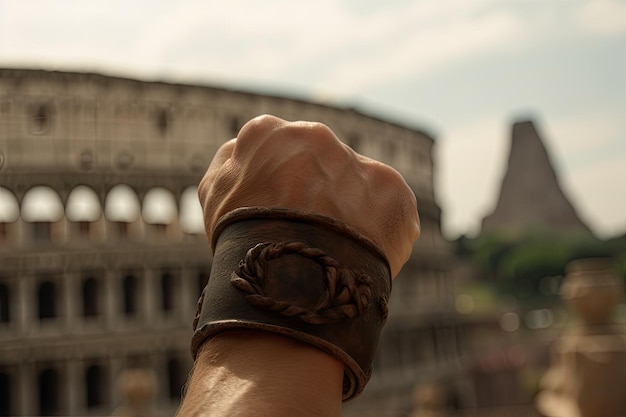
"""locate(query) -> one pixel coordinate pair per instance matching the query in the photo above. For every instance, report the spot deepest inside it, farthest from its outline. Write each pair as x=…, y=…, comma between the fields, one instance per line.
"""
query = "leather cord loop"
x=304, y=276
x=345, y=294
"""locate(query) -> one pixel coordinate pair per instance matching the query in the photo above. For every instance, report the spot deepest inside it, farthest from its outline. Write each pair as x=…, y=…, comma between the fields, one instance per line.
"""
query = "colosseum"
x=102, y=247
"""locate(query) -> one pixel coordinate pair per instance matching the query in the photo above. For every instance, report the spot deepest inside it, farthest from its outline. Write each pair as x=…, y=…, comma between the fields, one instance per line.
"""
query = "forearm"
x=252, y=373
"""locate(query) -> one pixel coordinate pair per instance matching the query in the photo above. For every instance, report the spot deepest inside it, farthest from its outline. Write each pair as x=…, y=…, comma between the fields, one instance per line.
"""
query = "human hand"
x=304, y=166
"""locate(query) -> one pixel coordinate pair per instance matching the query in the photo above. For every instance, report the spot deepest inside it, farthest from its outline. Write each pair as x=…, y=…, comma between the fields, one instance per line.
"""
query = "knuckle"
x=257, y=129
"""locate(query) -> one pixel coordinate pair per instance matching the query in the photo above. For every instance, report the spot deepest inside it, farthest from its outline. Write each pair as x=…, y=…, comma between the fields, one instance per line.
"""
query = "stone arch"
x=83, y=209
x=5, y=306
x=47, y=300
x=42, y=207
x=122, y=204
x=122, y=207
x=6, y=394
x=175, y=378
x=9, y=207
x=168, y=291
x=94, y=386
x=130, y=287
x=9, y=213
x=191, y=218
x=159, y=206
x=42, y=204
x=83, y=205
x=90, y=298
x=48, y=384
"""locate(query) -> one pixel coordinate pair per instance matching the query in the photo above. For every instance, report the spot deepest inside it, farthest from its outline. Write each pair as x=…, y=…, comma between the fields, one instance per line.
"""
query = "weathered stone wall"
x=60, y=130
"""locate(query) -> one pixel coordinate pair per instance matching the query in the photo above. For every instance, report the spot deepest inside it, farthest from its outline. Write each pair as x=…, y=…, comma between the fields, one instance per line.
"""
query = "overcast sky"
x=462, y=70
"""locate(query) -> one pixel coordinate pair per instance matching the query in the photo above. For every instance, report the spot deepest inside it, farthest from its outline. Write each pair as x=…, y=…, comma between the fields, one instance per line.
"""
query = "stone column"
x=115, y=367
x=26, y=299
x=148, y=294
x=112, y=292
x=28, y=395
x=71, y=298
x=75, y=386
x=158, y=366
x=186, y=295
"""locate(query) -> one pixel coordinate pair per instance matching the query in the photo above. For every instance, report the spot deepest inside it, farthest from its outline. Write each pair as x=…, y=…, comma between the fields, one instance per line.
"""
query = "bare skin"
x=260, y=374
x=302, y=166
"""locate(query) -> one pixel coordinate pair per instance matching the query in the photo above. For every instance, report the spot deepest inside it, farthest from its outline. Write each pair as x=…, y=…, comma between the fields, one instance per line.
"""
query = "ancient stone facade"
x=102, y=250
x=531, y=198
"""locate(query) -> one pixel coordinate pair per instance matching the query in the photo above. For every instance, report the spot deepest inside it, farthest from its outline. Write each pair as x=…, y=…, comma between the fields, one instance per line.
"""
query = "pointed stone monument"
x=530, y=195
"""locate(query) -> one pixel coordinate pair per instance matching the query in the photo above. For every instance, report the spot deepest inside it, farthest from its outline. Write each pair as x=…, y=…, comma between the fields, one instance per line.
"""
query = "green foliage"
x=488, y=251
x=518, y=265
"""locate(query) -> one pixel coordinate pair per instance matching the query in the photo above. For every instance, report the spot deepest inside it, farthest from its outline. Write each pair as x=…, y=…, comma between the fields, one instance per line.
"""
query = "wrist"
x=302, y=275
x=242, y=373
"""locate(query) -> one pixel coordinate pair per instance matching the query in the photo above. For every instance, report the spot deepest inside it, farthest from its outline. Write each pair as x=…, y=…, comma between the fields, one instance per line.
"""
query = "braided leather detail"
x=345, y=294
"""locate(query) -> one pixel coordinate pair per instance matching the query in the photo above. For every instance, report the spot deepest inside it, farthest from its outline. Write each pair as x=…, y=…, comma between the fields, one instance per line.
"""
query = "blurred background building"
x=102, y=246
x=103, y=254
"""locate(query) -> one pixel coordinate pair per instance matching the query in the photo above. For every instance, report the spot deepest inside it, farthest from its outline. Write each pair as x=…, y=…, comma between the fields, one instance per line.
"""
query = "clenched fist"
x=303, y=166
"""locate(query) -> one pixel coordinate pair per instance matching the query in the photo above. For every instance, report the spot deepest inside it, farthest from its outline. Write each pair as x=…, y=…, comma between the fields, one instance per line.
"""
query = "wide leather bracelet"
x=302, y=275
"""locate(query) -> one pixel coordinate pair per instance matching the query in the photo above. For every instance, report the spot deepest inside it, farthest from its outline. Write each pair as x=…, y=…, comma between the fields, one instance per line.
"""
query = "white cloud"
x=426, y=49
x=267, y=39
x=602, y=17
x=339, y=50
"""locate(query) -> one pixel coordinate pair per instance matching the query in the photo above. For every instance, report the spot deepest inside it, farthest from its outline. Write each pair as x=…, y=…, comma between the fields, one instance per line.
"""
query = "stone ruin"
x=587, y=377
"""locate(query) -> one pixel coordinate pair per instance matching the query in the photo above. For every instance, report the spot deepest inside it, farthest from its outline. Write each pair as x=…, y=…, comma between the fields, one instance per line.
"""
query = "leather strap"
x=302, y=275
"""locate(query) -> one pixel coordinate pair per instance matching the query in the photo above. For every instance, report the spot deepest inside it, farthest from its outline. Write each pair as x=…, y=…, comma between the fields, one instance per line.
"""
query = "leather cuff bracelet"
x=302, y=275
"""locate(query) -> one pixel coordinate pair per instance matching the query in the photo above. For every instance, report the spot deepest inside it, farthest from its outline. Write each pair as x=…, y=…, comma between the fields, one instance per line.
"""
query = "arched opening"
x=191, y=218
x=94, y=384
x=83, y=208
x=9, y=209
x=159, y=207
x=122, y=207
x=129, y=288
x=9, y=212
x=49, y=393
x=91, y=305
x=5, y=307
x=5, y=394
x=175, y=378
x=42, y=206
x=47, y=300
x=167, y=292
